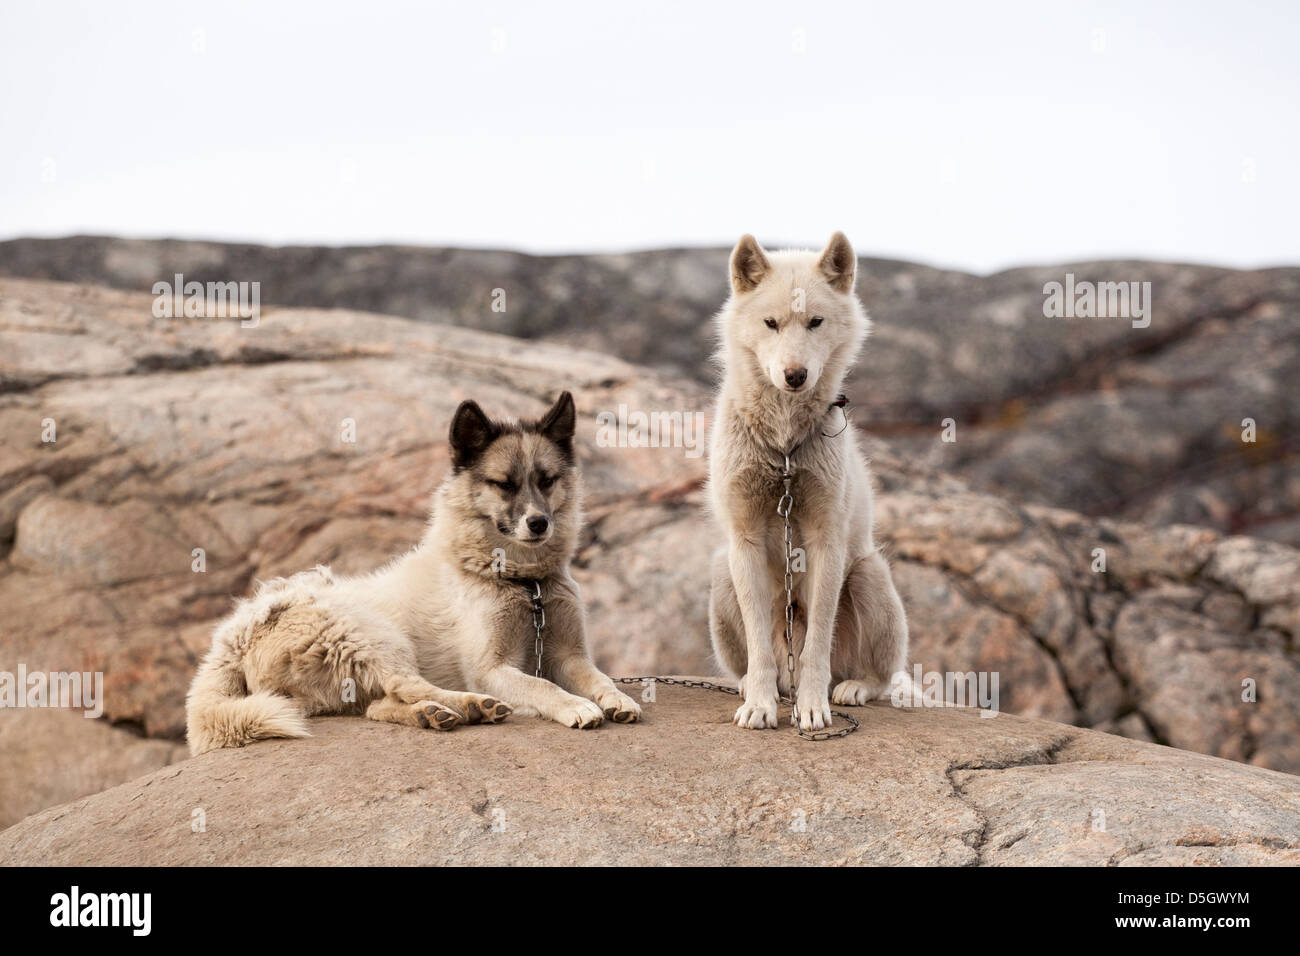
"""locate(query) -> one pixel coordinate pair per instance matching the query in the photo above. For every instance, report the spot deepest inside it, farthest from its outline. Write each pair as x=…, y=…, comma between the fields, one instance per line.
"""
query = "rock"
x=13, y=501
x=1264, y=573
x=95, y=544
x=913, y=786
x=204, y=456
x=1154, y=415
x=55, y=755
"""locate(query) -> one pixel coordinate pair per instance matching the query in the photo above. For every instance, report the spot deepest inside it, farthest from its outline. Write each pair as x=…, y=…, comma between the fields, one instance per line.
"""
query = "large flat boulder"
x=79, y=756
x=939, y=786
x=180, y=434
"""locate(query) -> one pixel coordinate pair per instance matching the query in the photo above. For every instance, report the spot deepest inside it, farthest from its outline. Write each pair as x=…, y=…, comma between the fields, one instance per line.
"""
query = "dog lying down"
x=441, y=636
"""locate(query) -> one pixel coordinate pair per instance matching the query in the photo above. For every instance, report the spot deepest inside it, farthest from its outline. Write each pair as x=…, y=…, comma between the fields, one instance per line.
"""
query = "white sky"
x=979, y=135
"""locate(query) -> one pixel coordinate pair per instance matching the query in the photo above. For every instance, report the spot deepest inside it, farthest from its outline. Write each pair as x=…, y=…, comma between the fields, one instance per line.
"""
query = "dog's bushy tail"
x=219, y=711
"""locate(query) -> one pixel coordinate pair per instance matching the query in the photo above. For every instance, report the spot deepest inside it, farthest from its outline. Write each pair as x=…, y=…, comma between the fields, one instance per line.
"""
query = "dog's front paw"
x=619, y=707
x=757, y=713
x=814, y=709
x=578, y=712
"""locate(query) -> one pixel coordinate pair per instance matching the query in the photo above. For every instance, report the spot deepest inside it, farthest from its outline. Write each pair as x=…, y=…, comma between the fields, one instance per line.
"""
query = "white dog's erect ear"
x=748, y=264
x=838, y=263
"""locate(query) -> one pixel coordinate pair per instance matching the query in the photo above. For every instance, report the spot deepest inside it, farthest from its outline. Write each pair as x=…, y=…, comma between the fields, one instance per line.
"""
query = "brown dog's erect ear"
x=559, y=423
x=748, y=264
x=471, y=433
x=838, y=263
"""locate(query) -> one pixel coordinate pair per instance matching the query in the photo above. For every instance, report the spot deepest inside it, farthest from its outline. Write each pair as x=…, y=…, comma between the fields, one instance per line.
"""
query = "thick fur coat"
x=789, y=332
x=441, y=636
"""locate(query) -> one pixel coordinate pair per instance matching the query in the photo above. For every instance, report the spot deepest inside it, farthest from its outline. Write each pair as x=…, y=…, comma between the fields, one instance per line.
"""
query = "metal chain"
x=783, y=508
x=680, y=682
x=724, y=689
x=831, y=734
x=539, y=622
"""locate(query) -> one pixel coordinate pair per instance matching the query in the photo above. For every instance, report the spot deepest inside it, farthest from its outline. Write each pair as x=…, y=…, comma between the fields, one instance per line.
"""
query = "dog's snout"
x=538, y=524
x=796, y=375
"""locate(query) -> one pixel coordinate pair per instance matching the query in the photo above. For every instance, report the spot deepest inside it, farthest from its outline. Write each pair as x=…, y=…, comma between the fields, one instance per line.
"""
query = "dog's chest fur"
x=475, y=615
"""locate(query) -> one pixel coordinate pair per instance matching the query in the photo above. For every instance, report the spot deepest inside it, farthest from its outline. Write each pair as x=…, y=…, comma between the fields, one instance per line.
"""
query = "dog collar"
x=842, y=403
x=533, y=590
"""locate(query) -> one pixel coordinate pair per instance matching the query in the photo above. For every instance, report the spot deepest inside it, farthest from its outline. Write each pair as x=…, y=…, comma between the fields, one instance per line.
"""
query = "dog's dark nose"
x=538, y=524
x=796, y=376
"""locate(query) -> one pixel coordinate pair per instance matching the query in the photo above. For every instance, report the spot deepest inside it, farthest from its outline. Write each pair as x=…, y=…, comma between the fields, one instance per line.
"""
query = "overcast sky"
x=978, y=135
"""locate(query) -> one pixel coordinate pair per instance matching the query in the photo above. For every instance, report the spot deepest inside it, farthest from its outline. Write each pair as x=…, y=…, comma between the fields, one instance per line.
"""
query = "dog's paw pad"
x=439, y=717
x=495, y=710
x=487, y=710
x=620, y=708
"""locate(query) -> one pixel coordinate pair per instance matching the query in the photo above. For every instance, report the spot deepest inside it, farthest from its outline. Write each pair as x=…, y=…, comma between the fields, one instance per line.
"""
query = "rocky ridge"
x=1153, y=415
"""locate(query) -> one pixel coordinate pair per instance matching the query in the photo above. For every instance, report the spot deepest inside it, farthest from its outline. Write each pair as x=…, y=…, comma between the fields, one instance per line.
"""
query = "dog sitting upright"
x=790, y=330
x=441, y=636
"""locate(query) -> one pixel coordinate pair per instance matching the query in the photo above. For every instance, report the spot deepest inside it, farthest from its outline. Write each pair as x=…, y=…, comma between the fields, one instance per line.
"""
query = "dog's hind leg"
x=342, y=646
x=870, y=633
x=406, y=689
x=424, y=713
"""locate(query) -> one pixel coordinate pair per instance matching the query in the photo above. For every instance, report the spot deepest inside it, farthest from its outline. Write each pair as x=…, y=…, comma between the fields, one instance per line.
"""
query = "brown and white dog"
x=440, y=636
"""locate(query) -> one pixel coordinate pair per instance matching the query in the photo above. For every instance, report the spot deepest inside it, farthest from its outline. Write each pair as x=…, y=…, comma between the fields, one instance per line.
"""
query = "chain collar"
x=783, y=508
x=539, y=622
x=533, y=589
x=842, y=403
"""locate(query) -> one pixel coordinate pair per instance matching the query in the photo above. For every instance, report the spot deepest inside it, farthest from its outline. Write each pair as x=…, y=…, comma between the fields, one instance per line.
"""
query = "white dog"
x=790, y=330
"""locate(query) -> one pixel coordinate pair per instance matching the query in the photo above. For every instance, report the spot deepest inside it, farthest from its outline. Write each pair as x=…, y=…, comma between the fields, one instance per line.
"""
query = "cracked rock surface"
x=176, y=435
x=913, y=786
